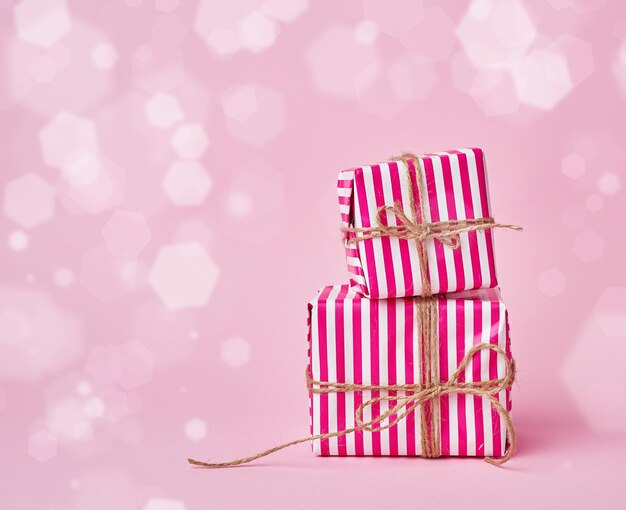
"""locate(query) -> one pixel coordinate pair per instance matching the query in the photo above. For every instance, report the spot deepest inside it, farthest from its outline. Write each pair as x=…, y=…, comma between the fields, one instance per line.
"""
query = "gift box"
x=454, y=189
x=450, y=368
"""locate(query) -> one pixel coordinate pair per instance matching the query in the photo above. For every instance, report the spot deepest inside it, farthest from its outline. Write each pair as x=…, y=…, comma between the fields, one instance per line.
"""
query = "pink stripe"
x=460, y=354
x=375, y=370
x=310, y=356
x=322, y=325
x=479, y=423
x=440, y=262
x=371, y=281
x=469, y=213
x=484, y=201
x=409, y=285
x=509, y=405
x=341, y=367
x=357, y=366
x=392, y=341
x=408, y=357
x=444, y=375
x=453, y=215
x=493, y=375
x=384, y=241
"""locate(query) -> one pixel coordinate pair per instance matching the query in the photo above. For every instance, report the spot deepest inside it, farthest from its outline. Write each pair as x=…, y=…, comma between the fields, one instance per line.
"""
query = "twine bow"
x=416, y=395
x=447, y=232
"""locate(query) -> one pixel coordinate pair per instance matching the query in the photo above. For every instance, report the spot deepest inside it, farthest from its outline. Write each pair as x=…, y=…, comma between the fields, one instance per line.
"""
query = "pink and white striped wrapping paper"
x=456, y=184
x=359, y=340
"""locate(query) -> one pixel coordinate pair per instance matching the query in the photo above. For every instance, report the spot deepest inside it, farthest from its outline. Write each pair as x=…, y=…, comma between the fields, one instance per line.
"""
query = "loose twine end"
x=400, y=406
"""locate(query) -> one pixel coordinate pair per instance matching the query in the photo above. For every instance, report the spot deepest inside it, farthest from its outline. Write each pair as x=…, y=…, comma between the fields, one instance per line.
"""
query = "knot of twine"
x=447, y=232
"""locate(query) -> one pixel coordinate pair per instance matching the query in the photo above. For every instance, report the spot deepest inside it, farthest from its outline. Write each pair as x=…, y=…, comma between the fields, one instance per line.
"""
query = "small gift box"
x=410, y=376
x=419, y=225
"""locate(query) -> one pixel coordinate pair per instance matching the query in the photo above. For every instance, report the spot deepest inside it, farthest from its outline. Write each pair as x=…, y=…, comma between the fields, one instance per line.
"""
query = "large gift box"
x=355, y=341
x=455, y=190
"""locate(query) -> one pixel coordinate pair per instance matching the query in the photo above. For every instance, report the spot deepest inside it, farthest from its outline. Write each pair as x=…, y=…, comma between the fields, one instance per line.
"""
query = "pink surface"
x=169, y=207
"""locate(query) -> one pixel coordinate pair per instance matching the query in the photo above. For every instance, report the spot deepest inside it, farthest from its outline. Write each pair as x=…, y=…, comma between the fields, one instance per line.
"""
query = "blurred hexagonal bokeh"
x=336, y=58
x=167, y=6
x=255, y=114
x=578, y=54
x=195, y=429
x=18, y=240
x=189, y=141
x=384, y=15
x=591, y=372
x=65, y=134
x=42, y=445
x=29, y=200
x=284, y=10
x=169, y=334
x=126, y=233
x=589, y=246
x=552, y=282
x=107, y=276
x=158, y=66
x=187, y=183
x=45, y=79
x=609, y=184
x=573, y=165
x=384, y=89
x=38, y=337
x=183, y=275
x=239, y=102
x=243, y=25
x=610, y=311
x=494, y=91
x=542, y=79
x=104, y=56
x=163, y=110
x=91, y=183
x=432, y=38
x=255, y=195
x=235, y=352
x=42, y=22
x=258, y=31
x=130, y=364
x=594, y=202
x=496, y=32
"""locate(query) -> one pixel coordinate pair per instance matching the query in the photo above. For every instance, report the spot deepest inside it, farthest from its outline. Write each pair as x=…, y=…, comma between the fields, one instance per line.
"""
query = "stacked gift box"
x=412, y=357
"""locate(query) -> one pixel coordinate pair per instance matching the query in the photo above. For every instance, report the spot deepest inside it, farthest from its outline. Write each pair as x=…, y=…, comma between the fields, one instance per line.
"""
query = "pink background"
x=168, y=209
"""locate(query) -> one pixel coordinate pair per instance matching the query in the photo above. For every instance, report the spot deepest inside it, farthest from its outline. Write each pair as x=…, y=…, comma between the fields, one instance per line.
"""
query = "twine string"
x=412, y=397
x=425, y=395
x=447, y=232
